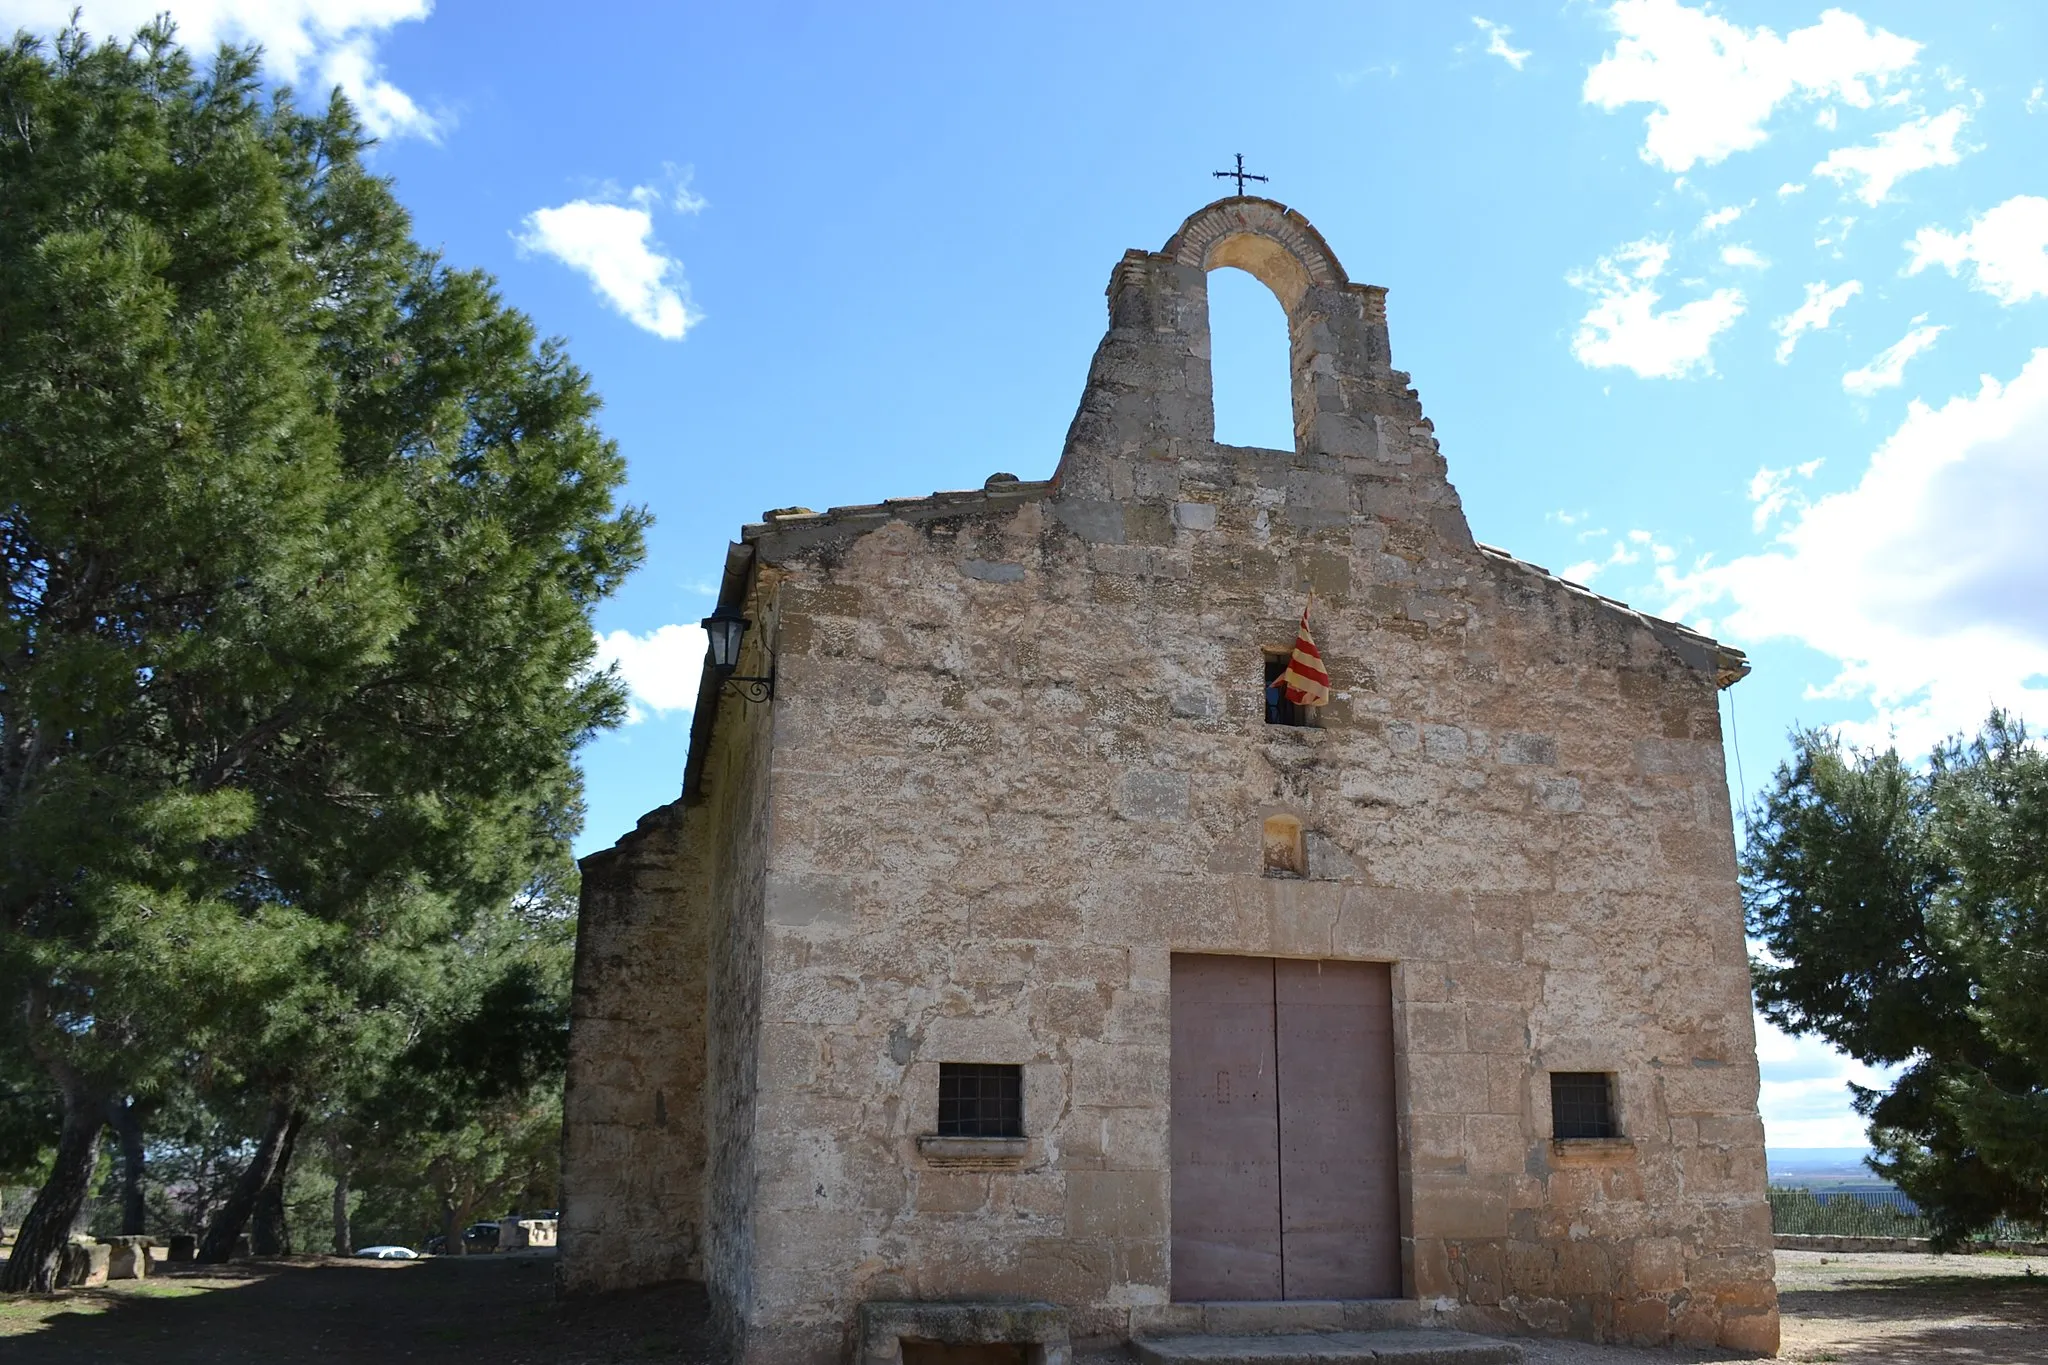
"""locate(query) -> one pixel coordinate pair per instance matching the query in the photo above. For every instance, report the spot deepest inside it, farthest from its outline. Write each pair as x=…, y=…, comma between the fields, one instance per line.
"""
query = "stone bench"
x=127, y=1257
x=1040, y=1328
x=81, y=1264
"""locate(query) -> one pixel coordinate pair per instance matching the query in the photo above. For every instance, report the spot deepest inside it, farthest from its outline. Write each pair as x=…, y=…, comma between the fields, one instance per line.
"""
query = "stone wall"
x=735, y=785
x=634, y=1154
x=658, y=1111
x=1019, y=759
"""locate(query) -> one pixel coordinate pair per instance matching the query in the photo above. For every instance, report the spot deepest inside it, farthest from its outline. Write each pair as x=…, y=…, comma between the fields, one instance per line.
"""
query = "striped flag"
x=1305, y=681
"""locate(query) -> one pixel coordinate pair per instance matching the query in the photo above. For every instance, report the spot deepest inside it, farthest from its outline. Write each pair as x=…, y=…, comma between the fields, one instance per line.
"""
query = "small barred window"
x=1582, y=1105
x=980, y=1100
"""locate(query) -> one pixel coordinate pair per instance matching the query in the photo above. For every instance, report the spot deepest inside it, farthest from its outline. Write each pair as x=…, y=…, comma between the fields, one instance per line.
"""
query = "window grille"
x=1582, y=1105
x=1279, y=710
x=980, y=1100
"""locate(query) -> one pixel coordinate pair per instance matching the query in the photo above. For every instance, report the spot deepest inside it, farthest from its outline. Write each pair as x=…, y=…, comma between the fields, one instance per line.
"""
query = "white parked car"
x=388, y=1253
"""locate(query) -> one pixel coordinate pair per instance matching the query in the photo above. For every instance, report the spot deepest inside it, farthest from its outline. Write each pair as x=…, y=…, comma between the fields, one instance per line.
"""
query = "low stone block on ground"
x=1040, y=1328
x=1329, y=1348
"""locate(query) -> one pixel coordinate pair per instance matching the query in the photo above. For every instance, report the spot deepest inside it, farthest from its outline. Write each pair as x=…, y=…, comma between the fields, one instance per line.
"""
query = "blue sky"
x=1729, y=311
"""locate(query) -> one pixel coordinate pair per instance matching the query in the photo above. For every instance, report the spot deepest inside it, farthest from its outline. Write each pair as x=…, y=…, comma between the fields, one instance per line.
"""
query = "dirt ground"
x=499, y=1309
x=1848, y=1309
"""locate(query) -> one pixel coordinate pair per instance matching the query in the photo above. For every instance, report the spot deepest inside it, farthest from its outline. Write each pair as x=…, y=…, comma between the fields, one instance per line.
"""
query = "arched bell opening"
x=1250, y=362
x=1282, y=251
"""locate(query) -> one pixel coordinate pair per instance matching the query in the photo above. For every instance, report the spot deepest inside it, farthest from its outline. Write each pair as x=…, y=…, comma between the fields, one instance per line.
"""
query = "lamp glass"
x=723, y=630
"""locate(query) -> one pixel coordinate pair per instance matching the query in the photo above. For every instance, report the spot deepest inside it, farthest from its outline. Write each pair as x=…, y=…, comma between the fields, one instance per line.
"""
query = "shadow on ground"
x=339, y=1312
x=502, y=1309
x=1979, y=1318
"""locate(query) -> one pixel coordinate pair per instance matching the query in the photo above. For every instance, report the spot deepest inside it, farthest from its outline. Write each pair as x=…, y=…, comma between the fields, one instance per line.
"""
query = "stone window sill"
x=1593, y=1150
x=975, y=1153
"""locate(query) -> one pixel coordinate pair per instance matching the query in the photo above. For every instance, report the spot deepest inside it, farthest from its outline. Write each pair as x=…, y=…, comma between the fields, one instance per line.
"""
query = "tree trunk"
x=452, y=1225
x=33, y=1266
x=219, y=1243
x=337, y=1157
x=270, y=1235
x=125, y=1118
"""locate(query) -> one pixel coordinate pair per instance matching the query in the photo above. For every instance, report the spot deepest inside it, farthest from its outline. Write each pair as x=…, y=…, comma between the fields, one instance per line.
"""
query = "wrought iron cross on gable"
x=1240, y=175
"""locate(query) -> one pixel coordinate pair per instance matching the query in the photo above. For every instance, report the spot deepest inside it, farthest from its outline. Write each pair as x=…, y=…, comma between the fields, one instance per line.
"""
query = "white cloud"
x=1804, y=1096
x=1743, y=256
x=678, y=194
x=1888, y=368
x=1923, y=581
x=2037, y=98
x=1623, y=326
x=1715, y=84
x=1630, y=549
x=1835, y=231
x=661, y=668
x=1497, y=43
x=1788, y=189
x=1719, y=218
x=1821, y=305
x=1916, y=145
x=613, y=244
x=331, y=42
x=1773, y=492
x=2006, y=250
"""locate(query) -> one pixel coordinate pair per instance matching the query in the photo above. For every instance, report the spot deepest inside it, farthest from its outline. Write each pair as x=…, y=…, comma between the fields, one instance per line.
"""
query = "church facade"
x=1018, y=943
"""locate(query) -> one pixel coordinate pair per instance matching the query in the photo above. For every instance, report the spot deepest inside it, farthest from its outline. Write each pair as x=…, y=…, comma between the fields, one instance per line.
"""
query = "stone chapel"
x=1008, y=943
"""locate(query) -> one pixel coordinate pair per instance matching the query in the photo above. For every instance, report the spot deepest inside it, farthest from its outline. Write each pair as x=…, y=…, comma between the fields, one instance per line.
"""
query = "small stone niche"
x=1285, y=853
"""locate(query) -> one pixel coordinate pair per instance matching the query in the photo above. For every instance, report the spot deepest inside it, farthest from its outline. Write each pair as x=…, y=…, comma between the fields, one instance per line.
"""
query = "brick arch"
x=1266, y=239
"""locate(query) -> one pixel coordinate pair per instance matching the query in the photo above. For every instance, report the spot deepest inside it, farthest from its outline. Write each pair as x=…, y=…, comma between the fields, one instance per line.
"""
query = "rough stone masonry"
x=1017, y=788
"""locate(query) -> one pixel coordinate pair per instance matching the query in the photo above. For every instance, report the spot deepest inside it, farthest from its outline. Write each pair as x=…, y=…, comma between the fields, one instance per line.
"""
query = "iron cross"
x=1240, y=175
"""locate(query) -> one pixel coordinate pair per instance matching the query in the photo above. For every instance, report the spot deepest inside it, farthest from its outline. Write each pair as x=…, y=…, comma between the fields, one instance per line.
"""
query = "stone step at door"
x=1423, y=1347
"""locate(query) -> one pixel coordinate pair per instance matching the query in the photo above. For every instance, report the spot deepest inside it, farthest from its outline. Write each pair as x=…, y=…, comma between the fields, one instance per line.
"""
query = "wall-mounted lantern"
x=724, y=629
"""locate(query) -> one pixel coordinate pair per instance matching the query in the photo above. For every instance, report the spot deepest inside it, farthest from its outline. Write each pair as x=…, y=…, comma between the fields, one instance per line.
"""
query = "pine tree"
x=302, y=532
x=1904, y=913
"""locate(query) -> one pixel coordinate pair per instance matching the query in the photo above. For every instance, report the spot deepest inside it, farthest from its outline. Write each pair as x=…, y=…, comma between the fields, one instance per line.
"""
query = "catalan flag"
x=1304, y=680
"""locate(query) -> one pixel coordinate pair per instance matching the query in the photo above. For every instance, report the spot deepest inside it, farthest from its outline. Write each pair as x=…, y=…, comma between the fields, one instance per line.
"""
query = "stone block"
x=127, y=1257
x=1436, y=1028
x=1041, y=1328
x=1644, y=1322
x=1258, y=1317
x=1657, y=1265
x=1450, y=1083
x=1153, y=797
x=1458, y=1210
x=951, y=1191
x=1148, y=524
x=1519, y=748
x=1445, y=744
x=1116, y=1205
x=1100, y=523
x=82, y=1264
x=1749, y=1332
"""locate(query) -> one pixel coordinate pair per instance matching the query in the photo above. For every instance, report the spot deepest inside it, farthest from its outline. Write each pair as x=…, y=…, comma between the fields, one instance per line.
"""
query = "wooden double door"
x=1284, y=1166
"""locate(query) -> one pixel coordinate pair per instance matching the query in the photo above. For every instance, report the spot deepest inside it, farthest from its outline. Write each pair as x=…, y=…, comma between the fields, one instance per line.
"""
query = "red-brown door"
x=1340, y=1232
x=1283, y=1130
x=1226, y=1130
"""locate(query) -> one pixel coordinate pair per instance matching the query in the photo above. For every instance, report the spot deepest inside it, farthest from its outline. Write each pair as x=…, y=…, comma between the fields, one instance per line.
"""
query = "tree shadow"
x=1981, y=1319
x=334, y=1310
